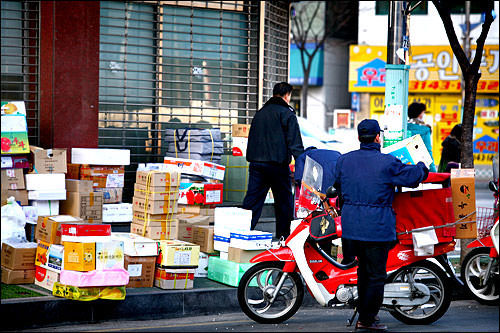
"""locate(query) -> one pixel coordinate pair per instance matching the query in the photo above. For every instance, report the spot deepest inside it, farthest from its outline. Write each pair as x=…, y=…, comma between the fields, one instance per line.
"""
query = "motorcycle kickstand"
x=350, y=321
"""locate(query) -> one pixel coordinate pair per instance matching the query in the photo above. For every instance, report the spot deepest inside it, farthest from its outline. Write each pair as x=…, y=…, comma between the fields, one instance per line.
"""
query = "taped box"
x=240, y=255
x=154, y=207
x=187, y=224
x=48, y=228
x=46, y=207
x=18, y=276
x=203, y=235
x=12, y=179
x=141, y=271
x=81, y=186
x=174, y=278
x=87, y=206
x=464, y=201
x=251, y=240
x=221, y=240
x=197, y=210
x=103, y=176
x=177, y=254
x=196, y=167
x=154, y=178
x=167, y=231
x=48, y=160
x=240, y=130
x=152, y=220
x=50, y=256
x=21, y=196
x=156, y=192
x=18, y=256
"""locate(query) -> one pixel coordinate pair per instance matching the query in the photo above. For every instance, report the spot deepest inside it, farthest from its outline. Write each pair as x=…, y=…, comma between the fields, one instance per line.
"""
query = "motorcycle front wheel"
x=436, y=280
x=263, y=299
x=474, y=269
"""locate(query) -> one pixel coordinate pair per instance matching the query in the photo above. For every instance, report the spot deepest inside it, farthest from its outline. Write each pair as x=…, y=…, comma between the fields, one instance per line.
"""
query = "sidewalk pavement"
x=207, y=297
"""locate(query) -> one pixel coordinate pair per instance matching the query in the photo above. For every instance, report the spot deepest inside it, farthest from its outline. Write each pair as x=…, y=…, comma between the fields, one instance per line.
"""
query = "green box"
x=225, y=271
x=235, y=178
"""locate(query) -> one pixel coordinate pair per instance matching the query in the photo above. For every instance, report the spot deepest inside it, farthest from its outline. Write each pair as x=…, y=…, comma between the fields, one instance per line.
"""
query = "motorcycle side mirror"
x=331, y=192
x=493, y=186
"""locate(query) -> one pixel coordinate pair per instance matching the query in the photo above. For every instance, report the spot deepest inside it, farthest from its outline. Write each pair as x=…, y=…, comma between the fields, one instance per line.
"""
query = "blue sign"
x=372, y=74
x=355, y=101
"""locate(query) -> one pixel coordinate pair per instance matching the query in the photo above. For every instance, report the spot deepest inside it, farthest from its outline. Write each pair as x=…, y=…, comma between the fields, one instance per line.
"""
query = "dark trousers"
x=372, y=258
x=265, y=176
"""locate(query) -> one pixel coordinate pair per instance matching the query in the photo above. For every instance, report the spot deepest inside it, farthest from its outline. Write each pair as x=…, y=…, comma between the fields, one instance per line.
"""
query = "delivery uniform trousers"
x=372, y=262
x=277, y=177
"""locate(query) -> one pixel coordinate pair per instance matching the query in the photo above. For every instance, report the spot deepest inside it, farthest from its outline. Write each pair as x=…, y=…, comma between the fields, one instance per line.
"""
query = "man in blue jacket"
x=366, y=180
x=273, y=138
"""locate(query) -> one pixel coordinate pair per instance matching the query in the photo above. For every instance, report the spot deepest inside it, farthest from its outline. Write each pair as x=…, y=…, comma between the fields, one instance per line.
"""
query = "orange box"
x=79, y=256
x=103, y=176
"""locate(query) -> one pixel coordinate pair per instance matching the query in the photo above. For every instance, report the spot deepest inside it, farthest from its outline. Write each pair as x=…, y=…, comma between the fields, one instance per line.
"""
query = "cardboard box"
x=202, y=270
x=21, y=196
x=221, y=240
x=196, y=210
x=240, y=255
x=73, y=171
x=85, y=232
x=200, y=193
x=410, y=151
x=239, y=146
x=87, y=206
x=100, y=156
x=156, y=192
x=154, y=207
x=168, y=231
x=46, y=278
x=232, y=218
x=50, y=256
x=135, y=245
x=154, y=178
x=464, y=201
x=12, y=179
x=16, y=256
x=81, y=186
x=186, y=224
x=196, y=167
x=46, y=207
x=251, y=239
x=177, y=254
x=203, y=235
x=47, y=195
x=141, y=271
x=174, y=278
x=48, y=160
x=225, y=271
x=79, y=256
x=21, y=276
x=103, y=176
x=240, y=130
x=45, y=181
x=111, y=194
x=109, y=254
x=48, y=228
x=15, y=162
x=120, y=212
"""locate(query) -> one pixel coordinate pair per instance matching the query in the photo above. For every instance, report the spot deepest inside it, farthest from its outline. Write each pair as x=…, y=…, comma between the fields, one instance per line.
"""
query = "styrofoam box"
x=232, y=218
x=47, y=195
x=121, y=212
x=251, y=240
x=46, y=207
x=45, y=181
x=221, y=240
x=100, y=156
x=202, y=270
x=410, y=151
x=135, y=245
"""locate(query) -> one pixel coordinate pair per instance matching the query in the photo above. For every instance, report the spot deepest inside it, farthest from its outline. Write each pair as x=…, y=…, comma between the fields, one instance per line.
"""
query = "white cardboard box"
x=196, y=167
x=251, y=240
x=121, y=212
x=100, y=156
x=232, y=219
x=221, y=240
x=135, y=245
x=46, y=207
x=47, y=195
x=109, y=254
x=410, y=151
x=45, y=181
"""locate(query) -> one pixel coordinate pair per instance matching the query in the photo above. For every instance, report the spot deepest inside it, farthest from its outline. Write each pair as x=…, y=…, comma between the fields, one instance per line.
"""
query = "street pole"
x=397, y=75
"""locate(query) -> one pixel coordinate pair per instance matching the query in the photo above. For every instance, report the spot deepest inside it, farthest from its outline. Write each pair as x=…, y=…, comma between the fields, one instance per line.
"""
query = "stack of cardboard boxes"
x=154, y=205
x=176, y=264
x=83, y=201
x=18, y=263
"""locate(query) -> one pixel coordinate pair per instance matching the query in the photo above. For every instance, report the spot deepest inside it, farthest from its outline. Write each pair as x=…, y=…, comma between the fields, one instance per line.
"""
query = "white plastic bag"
x=423, y=241
x=13, y=222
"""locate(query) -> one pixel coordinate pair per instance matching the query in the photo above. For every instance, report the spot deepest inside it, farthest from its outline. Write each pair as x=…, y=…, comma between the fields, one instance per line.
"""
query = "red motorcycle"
x=418, y=291
x=480, y=268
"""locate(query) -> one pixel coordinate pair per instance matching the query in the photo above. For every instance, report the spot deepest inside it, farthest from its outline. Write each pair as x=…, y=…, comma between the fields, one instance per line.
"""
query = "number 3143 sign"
x=14, y=128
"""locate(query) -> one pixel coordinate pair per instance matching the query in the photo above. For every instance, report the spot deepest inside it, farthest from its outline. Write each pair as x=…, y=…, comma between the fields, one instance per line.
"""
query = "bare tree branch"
x=482, y=38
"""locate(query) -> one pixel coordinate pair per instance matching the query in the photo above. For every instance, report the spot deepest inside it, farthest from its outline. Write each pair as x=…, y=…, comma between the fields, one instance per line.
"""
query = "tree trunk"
x=305, y=89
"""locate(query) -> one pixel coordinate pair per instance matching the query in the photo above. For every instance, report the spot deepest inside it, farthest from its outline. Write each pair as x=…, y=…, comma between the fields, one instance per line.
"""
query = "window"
x=382, y=7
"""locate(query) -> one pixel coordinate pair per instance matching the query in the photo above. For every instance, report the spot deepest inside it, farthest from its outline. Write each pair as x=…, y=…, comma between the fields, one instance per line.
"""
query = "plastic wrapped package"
x=13, y=222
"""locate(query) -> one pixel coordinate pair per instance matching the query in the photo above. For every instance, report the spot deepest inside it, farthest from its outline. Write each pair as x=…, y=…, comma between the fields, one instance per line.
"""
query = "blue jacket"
x=366, y=179
x=425, y=133
x=326, y=158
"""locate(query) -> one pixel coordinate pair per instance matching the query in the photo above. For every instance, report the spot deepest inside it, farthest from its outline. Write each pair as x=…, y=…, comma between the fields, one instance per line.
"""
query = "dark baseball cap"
x=368, y=127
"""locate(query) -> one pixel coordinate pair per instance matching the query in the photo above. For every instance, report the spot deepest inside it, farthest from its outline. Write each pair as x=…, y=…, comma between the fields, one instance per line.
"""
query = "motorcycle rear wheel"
x=436, y=280
x=256, y=287
x=473, y=269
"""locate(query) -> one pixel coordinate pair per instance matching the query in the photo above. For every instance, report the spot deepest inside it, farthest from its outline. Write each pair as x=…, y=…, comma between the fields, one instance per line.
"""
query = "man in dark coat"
x=273, y=138
x=366, y=180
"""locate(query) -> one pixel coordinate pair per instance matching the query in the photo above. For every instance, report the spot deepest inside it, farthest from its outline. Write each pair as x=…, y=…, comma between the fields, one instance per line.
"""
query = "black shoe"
x=375, y=327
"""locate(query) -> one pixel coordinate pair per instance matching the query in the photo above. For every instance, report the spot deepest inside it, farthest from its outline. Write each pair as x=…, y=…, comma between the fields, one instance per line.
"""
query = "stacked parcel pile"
x=18, y=263
x=176, y=264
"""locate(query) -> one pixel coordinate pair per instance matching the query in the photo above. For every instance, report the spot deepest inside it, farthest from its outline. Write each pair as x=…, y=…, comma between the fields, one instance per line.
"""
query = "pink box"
x=96, y=278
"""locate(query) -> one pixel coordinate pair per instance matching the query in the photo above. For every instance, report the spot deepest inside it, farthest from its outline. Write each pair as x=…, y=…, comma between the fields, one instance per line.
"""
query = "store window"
x=382, y=7
x=20, y=59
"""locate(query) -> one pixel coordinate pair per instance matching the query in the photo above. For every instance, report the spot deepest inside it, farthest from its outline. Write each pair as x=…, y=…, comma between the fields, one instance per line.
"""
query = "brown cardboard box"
x=81, y=186
x=464, y=201
x=155, y=206
x=48, y=228
x=17, y=256
x=187, y=223
x=168, y=231
x=242, y=256
x=195, y=209
x=87, y=206
x=240, y=130
x=166, y=180
x=22, y=276
x=20, y=195
x=141, y=271
x=103, y=175
x=73, y=171
x=203, y=235
x=153, y=220
x=111, y=194
x=12, y=179
x=48, y=160
x=156, y=192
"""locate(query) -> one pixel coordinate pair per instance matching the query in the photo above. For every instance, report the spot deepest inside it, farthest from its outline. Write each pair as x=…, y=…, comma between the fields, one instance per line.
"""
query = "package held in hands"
x=100, y=156
x=410, y=151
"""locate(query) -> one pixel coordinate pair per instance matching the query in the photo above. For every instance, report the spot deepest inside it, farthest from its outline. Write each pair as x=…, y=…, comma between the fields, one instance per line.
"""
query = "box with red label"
x=174, y=278
x=48, y=228
x=85, y=232
x=49, y=256
x=46, y=278
x=196, y=167
x=164, y=179
x=103, y=176
x=154, y=206
x=200, y=193
x=156, y=192
x=12, y=179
